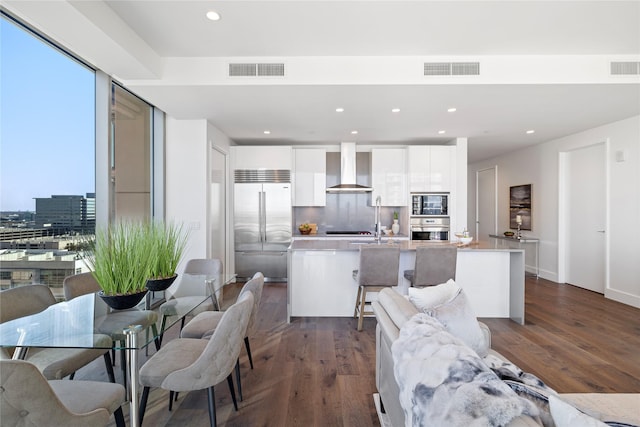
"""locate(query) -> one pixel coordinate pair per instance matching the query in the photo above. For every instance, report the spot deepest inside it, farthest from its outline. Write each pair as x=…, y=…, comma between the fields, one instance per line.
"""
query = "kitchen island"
x=321, y=282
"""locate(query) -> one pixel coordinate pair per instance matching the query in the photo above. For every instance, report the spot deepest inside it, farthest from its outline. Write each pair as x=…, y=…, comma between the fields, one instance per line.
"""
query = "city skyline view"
x=47, y=122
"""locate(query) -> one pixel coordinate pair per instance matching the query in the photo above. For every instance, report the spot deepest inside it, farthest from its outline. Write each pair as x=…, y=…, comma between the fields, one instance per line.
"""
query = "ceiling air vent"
x=625, y=68
x=451, y=68
x=271, y=69
x=242, y=70
x=253, y=70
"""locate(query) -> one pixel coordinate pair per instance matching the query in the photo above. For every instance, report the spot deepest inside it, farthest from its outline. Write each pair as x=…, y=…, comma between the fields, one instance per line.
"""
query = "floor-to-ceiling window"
x=47, y=157
x=47, y=131
x=51, y=142
x=131, y=154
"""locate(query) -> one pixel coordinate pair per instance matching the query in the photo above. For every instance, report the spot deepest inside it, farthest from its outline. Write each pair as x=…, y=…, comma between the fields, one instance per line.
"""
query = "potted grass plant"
x=120, y=260
x=168, y=242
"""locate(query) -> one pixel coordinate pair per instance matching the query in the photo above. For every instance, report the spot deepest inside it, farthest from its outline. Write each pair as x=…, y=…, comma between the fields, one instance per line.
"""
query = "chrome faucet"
x=378, y=220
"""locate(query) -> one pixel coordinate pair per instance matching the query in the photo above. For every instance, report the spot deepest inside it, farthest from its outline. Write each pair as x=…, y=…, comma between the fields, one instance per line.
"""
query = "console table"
x=522, y=243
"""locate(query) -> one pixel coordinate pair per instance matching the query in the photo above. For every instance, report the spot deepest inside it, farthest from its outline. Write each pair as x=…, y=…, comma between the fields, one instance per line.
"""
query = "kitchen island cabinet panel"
x=321, y=282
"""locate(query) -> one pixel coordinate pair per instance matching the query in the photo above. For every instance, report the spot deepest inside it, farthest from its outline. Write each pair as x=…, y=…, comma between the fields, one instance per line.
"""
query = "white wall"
x=539, y=165
x=186, y=181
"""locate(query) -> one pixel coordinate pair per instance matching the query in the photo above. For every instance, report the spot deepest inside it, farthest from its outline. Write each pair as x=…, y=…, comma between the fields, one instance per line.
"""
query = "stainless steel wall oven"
x=424, y=228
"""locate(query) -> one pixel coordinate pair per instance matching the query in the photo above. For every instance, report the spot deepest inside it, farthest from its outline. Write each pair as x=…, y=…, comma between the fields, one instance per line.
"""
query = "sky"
x=47, y=121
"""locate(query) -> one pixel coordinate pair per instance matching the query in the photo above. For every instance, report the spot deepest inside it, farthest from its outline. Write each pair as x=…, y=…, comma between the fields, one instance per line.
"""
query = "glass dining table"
x=80, y=322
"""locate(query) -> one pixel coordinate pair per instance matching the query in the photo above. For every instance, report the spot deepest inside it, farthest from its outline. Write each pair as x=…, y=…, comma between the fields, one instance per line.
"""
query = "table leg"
x=131, y=334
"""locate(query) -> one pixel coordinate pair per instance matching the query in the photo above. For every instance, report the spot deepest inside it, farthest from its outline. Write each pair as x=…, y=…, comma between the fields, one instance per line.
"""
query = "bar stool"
x=434, y=265
x=378, y=269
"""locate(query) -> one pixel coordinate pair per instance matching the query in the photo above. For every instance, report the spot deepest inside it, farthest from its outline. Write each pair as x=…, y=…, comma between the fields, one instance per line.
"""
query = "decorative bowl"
x=386, y=231
x=509, y=233
x=466, y=240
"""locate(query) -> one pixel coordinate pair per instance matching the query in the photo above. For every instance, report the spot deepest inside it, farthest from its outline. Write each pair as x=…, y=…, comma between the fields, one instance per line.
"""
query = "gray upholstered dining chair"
x=204, y=324
x=434, y=265
x=116, y=320
x=54, y=363
x=27, y=398
x=187, y=364
x=378, y=268
x=188, y=289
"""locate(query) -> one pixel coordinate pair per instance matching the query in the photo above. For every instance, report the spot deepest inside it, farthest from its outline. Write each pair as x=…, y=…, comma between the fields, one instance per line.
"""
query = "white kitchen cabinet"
x=389, y=176
x=262, y=157
x=432, y=168
x=309, y=177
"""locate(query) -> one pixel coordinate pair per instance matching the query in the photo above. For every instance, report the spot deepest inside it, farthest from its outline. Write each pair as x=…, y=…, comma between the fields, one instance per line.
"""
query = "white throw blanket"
x=445, y=383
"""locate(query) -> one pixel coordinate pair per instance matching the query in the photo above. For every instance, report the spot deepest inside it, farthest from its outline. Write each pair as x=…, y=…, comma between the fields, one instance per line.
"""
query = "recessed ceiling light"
x=267, y=132
x=452, y=110
x=354, y=132
x=339, y=110
x=441, y=132
x=395, y=110
x=212, y=15
x=531, y=131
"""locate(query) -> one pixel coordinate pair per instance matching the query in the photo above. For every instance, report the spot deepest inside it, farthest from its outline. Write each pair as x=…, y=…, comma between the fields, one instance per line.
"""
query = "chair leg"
x=363, y=301
x=109, y=366
x=164, y=322
x=238, y=379
x=232, y=391
x=113, y=356
x=212, y=406
x=157, y=340
x=355, y=310
x=73, y=374
x=123, y=364
x=143, y=402
x=119, y=417
x=248, y=347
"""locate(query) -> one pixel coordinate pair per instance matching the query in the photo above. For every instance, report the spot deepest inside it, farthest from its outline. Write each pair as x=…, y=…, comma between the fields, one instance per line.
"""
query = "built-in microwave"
x=429, y=204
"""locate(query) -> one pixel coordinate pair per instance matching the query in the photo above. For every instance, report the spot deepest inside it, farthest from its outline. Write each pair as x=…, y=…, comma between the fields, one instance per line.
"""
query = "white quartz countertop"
x=356, y=242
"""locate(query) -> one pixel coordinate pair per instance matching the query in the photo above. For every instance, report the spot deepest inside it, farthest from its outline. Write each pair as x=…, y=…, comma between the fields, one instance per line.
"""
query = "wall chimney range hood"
x=348, y=171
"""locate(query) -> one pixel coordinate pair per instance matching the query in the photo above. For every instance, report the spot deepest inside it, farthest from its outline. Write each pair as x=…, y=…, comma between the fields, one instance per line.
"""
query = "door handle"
x=600, y=231
x=264, y=215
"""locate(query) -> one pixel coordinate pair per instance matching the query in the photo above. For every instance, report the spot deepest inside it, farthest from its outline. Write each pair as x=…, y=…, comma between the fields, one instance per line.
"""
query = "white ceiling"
x=543, y=65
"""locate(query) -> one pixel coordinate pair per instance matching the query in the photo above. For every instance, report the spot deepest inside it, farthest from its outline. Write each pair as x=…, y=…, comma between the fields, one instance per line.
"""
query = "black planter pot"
x=156, y=285
x=122, y=302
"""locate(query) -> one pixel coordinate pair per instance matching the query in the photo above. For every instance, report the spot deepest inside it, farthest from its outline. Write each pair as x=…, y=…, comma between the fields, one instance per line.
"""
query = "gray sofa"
x=393, y=310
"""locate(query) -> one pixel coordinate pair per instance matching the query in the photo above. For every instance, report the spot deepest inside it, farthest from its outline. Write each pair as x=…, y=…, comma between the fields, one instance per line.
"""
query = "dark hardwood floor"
x=575, y=340
x=320, y=371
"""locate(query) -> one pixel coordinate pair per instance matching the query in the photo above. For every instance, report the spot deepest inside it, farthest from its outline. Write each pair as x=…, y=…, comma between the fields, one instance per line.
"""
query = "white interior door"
x=486, y=198
x=585, y=206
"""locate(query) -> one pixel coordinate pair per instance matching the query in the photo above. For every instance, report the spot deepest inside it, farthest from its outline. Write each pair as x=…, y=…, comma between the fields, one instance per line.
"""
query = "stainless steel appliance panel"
x=430, y=204
x=422, y=228
x=276, y=201
x=247, y=217
x=262, y=228
x=272, y=264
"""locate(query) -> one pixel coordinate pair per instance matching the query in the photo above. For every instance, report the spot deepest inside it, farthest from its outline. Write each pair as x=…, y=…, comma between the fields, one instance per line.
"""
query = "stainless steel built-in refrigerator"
x=262, y=222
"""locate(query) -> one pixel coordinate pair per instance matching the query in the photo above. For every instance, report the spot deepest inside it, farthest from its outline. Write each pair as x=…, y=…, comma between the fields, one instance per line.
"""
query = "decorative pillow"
x=565, y=415
x=459, y=320
x=431, y=296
